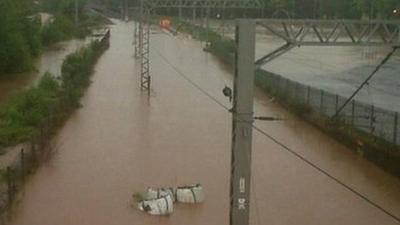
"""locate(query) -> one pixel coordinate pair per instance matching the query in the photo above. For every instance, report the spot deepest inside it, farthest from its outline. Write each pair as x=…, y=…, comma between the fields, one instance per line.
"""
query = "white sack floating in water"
x=190, y=194
x=162, y=206
x=160, y=201
x=153, y=193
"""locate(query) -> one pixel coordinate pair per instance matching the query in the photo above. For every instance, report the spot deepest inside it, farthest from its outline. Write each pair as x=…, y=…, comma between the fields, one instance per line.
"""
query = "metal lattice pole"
x=142, y=30
x=144, y=47
x=145, y=79
x=136, y=38
x=396, y=123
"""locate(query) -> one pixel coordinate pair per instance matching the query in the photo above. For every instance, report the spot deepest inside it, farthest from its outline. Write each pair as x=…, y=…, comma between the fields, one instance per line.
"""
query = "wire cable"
x=287, y=148
x=191, y=82
x=366, y=81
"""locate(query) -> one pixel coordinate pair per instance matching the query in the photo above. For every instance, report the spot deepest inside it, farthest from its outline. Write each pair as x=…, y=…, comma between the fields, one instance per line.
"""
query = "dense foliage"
x=63, y=7
x=77, y=68
x=19, y=35
x=63, y=26
x=27, y=112
x=22, y=35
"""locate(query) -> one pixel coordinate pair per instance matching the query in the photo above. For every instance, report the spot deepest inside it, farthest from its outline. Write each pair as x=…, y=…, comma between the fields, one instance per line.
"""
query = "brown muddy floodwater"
x=50, y=61
x=121, y=142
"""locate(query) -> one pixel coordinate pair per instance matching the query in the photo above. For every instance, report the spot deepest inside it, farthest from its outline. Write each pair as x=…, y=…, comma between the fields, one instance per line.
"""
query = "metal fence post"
x=41, y=141
x=278, y=86
x=353, y=108
x=287, y=90
x=33, y=150
x=321, y=106
x=9, y=185
x=308, y=95
x=23, y=165
x=396, y=123
x=372, y=119
x=336, y=102
x=274, y=82
x=296, y=91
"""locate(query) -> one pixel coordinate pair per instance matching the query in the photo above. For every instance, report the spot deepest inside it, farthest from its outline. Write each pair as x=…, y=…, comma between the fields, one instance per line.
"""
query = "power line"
x=191, y=82
x=221, y=105
x=366, y=82
x=288, y=149
x=327, y=174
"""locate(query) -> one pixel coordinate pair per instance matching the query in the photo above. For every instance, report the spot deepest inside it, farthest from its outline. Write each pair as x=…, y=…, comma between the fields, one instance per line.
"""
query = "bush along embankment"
x=223, y=48
x=34, y=115
x=62, y=27
x=375, y=149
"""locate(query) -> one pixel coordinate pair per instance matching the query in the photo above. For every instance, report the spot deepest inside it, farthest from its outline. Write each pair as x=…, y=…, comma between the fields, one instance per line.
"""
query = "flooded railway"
x=121, y=142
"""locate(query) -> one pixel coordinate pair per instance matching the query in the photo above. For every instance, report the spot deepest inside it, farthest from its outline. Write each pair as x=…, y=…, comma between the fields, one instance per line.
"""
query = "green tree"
x=19, y=35
x=62, y=7
x=382, y=9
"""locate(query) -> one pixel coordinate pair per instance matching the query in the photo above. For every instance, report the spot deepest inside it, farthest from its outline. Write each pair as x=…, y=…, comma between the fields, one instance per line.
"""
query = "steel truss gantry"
x=142, y=26
x=233, y=4
x=329, y=33
x=294, y=33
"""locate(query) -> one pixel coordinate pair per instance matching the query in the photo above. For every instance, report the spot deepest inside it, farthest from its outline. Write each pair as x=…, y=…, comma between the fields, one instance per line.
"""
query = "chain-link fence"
x=13, y=176
x=360, y=116
x=38, y=148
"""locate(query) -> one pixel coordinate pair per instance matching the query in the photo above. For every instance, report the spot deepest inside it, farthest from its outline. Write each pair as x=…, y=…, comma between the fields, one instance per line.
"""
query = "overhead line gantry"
x=294, y=33
x=142, y=27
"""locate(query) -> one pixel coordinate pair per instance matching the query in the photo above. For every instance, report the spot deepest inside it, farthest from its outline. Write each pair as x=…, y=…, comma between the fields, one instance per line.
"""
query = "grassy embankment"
x=27, y=110
x=62, y=28
x=34, y=115
x=376, y=149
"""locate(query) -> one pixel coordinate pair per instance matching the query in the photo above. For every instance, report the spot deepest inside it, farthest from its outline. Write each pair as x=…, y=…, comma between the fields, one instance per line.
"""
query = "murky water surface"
x=50, y=61
x=121, y=142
